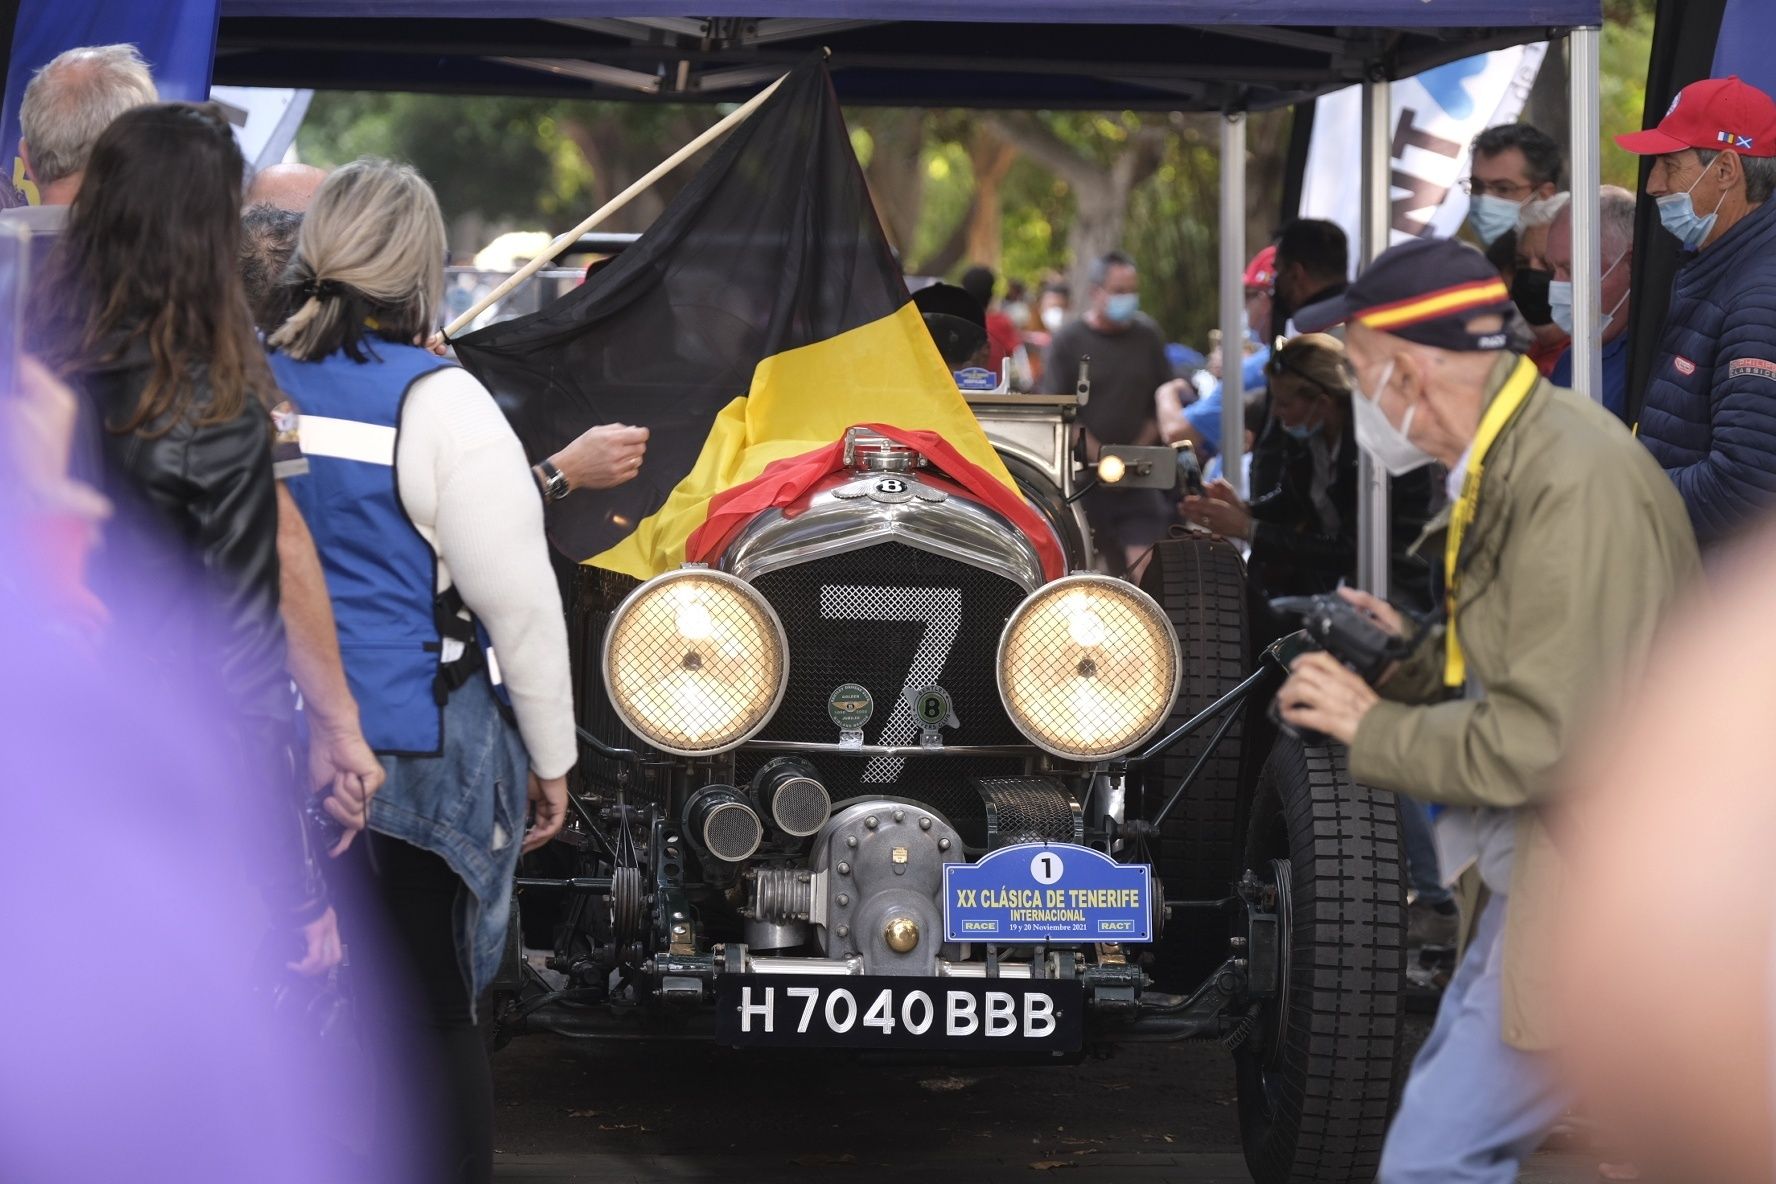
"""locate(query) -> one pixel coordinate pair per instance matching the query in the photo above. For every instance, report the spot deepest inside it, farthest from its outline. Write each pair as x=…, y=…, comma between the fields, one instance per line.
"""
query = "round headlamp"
x=1088, y=667
x=695, y=661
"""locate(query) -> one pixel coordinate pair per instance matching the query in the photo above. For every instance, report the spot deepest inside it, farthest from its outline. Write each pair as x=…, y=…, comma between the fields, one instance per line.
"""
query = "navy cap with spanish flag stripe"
x=1435, y=291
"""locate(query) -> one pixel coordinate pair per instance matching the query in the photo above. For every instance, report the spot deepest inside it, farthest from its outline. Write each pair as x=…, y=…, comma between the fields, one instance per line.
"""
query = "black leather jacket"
x=189, y=571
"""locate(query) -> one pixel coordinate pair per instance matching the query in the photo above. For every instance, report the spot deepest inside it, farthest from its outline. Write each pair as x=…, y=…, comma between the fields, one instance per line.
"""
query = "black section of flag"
x=773, y=245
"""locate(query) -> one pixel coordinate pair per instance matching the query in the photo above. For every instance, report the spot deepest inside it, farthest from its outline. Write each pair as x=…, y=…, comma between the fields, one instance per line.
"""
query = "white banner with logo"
x=1435, y=117
x=265, y=120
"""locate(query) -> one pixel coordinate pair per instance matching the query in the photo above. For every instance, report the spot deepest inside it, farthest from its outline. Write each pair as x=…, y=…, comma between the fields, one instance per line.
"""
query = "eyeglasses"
x=1509, y=190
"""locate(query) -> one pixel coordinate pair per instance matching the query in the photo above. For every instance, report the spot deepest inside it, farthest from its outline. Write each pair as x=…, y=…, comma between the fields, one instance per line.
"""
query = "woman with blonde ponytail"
x=430, y=531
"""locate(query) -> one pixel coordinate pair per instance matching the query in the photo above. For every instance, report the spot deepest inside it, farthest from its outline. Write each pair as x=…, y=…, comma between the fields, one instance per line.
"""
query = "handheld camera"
x=1331, y=623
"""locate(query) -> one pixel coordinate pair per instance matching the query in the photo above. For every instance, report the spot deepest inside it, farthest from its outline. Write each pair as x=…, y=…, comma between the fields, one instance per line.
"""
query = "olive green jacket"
x=1579, y=545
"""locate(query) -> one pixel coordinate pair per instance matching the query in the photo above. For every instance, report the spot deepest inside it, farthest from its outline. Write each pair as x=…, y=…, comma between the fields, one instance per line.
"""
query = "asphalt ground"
x=593, y=1113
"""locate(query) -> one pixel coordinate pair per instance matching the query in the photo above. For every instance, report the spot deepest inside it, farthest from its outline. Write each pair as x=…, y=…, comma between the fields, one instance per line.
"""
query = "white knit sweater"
x=465, y=483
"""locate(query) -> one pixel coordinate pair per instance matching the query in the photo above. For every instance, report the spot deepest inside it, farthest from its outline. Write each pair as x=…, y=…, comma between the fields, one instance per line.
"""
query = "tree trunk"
x=617, y=158
x=1100, y=192
x=1267, y=160
x=944, y=260
x=896, y=182
x=992, y=159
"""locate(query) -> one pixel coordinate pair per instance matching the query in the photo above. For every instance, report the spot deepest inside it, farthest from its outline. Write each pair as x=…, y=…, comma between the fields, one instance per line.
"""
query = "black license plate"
x=870, y=1011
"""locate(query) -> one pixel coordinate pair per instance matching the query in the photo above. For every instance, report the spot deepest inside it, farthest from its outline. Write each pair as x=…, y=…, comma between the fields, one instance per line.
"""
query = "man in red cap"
x=1709, y=416
x=1200, y=422
x=1261, y=278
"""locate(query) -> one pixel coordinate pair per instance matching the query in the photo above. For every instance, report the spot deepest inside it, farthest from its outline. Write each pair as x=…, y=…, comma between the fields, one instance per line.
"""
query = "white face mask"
x=1391, y=446
x=1053, y=317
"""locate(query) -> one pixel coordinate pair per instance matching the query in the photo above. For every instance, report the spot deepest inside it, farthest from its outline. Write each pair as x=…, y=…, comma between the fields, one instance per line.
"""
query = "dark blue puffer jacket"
x=1710, y=413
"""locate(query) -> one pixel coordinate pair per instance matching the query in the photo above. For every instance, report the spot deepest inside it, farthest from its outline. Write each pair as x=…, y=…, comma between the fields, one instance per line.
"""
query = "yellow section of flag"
x=887, y=371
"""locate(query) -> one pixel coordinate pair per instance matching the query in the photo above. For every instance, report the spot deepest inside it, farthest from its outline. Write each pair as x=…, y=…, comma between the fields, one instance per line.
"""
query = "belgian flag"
x=758, y=318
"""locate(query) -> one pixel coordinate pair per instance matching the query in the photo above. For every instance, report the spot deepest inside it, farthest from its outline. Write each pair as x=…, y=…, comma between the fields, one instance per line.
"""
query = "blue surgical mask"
x=1560, y=301
x=1301, y=431
x=1122, y=307
x=1677, y=213
x=1492, y=215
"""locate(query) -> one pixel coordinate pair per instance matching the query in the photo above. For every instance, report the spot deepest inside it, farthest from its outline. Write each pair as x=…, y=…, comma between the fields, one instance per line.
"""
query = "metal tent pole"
x=1373, y=534
x=1587, y=178
x=1233, y=298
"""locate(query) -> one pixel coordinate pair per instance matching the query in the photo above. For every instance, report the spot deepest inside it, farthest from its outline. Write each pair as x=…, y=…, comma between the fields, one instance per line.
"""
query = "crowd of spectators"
x=185, y=309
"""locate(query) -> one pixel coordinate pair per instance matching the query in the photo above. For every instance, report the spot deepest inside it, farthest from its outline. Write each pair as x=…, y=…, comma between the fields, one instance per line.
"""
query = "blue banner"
x=1748, y=29
x=1047, y=892
x=176, y=37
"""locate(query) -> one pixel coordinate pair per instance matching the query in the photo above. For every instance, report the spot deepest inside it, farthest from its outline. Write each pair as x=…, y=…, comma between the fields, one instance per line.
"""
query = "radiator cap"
x=867, y=452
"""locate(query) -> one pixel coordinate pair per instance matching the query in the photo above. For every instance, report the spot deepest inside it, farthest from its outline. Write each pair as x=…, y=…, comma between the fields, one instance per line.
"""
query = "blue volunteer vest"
x=381, y=573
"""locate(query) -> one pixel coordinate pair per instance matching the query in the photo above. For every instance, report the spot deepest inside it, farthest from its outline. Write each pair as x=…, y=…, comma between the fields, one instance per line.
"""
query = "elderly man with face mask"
x=1615, y=210
x=1709, y=417
x=1562, y=548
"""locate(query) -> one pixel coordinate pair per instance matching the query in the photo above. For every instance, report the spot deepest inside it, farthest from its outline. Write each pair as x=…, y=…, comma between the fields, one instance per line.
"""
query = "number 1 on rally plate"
x=1047, y=892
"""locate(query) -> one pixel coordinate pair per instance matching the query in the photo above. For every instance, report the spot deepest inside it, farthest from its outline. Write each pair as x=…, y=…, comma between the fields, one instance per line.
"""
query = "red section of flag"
x=784, y=481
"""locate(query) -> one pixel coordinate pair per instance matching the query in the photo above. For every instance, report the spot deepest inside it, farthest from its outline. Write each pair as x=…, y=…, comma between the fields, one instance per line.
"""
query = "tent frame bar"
x=1233, y=299
x=1584, y=151
x=1374, y=538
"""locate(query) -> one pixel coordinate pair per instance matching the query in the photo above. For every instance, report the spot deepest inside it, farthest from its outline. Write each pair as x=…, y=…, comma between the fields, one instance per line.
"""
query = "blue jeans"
x=1474, y=1107
x=1421, y=851
x=466, y=805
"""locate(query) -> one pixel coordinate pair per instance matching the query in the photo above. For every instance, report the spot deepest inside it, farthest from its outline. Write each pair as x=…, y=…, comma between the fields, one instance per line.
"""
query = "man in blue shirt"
x=1200, y=422
x=1616, y=235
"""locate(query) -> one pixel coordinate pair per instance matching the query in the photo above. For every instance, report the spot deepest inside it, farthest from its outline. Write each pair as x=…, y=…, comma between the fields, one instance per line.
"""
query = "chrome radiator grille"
x=895, y=620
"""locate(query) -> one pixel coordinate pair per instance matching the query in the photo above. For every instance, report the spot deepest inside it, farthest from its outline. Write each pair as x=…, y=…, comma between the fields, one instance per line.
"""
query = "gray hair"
x=268, y=240
x=372, y=242
x=1760, y=174
x=1542, y=211
x=70, y=102
x=1615, y=221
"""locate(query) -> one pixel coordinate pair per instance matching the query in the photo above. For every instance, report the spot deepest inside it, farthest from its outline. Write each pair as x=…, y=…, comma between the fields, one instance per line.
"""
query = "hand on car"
x=603, y=457
x=340, y=758
x=1321, y=695
x=548, y=809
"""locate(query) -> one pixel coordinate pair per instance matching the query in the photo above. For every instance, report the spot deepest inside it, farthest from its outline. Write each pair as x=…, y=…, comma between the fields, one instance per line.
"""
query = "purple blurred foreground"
x=135, y=1047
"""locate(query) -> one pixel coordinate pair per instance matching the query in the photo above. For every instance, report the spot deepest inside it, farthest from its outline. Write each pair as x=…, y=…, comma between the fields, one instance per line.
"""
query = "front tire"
x=1318, y=1075
x=1200, y=582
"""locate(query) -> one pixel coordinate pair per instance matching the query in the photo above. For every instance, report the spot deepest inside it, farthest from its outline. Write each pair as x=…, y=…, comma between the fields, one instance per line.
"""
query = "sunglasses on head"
x=1278, y=364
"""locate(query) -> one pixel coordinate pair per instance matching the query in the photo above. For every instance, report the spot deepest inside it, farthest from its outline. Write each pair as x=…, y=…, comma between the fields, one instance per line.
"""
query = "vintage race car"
x=872, y=782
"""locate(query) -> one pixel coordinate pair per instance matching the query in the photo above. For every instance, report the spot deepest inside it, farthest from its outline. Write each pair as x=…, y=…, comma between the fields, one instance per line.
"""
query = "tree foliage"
x=1035, y=195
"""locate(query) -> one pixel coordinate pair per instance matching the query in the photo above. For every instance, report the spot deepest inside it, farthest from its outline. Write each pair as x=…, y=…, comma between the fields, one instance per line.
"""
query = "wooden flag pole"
x=612, y=206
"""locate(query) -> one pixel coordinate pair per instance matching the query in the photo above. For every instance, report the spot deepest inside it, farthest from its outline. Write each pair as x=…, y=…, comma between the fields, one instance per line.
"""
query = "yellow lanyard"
x=1510, y=398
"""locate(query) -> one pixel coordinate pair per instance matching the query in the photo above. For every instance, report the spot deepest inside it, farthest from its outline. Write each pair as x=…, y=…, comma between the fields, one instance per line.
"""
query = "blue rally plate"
x=1047, y=892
